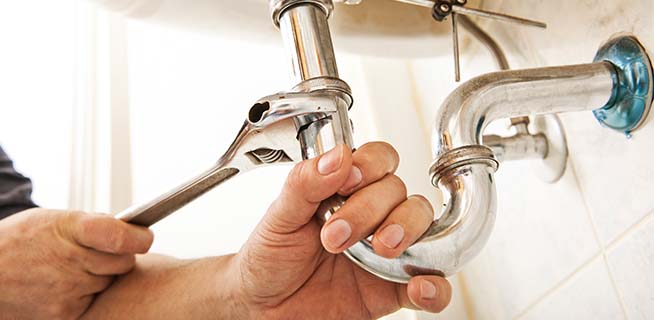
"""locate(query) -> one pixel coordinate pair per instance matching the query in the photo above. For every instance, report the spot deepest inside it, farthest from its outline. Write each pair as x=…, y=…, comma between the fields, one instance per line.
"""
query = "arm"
x=162, y=287
x=292, y=264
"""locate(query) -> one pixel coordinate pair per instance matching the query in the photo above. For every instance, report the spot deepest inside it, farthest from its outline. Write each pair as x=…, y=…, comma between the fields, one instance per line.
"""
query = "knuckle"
x=69, y=256
x=148, y=239
x=387, y=148
x=127, y=263
x=87, y=227
x=387, y=151
x=295, y=177
x=396, y=184
x=117, y=238
x=428, y=209
x=366, y=208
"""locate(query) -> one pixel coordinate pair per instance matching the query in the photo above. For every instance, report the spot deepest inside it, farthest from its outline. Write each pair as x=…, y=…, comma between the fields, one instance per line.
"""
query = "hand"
x=52, y=263
x=292, y=265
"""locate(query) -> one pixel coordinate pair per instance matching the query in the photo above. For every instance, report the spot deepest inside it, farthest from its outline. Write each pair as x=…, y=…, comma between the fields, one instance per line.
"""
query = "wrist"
x=228, y=294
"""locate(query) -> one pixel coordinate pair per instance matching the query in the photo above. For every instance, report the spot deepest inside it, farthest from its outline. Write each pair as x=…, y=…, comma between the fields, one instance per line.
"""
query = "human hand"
x=52, y=263
x=292, y=265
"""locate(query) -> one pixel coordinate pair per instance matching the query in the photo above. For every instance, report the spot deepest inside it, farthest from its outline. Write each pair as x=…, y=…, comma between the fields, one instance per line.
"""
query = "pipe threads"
x=459, y=157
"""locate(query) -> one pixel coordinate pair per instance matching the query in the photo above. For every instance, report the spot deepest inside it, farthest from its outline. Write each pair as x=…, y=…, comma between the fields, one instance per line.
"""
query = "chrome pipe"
x=500, y=58
x=308, y=41
x=472, y=106
x=517, y=147
x=464, y=169
x=442, y=252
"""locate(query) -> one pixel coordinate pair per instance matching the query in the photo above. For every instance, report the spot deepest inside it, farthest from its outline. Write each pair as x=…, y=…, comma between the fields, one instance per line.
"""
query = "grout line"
x=600, y=254
x=558, y=286
x=629, y=231
x=614, y=284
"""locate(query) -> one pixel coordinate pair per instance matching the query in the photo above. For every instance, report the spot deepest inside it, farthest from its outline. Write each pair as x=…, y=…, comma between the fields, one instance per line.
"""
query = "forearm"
x=166, y=288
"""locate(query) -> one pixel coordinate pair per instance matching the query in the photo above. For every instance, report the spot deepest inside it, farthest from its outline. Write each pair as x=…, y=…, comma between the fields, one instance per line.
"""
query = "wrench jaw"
x=270, y=134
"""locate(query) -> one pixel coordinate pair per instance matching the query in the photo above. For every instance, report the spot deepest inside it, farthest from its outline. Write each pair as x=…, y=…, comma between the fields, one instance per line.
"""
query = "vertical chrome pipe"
x=308, y=42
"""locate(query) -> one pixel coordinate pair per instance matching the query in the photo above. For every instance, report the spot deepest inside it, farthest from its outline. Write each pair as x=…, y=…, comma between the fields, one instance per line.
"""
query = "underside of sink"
x=374, y=27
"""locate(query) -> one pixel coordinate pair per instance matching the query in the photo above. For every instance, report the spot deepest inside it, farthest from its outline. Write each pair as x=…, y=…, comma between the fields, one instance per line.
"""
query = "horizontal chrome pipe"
x=517, y=147
x=470, y=108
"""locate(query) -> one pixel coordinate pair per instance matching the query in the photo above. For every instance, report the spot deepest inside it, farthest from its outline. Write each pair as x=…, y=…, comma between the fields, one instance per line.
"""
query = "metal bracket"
x=441, y=9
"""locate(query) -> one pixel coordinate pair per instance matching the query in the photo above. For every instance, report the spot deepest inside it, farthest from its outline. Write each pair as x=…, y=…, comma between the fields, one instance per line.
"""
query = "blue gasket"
x=633, y=85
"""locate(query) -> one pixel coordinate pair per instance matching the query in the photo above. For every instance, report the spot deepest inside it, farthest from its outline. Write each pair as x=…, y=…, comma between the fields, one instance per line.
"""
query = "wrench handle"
x=153, y=211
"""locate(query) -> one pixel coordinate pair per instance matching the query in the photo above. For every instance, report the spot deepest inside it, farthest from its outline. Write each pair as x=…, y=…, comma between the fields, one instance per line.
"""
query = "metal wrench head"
x=276, y=130
x=270, y=133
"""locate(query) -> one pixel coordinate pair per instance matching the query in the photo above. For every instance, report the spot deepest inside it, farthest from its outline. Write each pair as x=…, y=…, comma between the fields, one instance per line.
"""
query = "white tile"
x=542, y=234
x=588, y=295
x=632, y=265
x=615, y=174
x=397, y=120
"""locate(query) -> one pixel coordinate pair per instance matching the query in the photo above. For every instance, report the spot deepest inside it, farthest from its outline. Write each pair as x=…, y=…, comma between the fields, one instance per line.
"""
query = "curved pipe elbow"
x=464, y=169
x=470, y=215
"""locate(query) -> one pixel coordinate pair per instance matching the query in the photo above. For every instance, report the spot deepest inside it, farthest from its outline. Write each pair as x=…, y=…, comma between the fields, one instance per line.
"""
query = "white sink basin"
x=374, y=27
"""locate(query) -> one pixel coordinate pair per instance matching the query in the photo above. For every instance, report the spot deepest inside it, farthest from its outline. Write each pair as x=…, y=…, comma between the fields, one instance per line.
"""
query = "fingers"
x=106, y=264
x=403, y=227
x=429, y=293
x=309, y=183
x=107, y=234
x=94, y=284
x=362, y=213
x=370, y=163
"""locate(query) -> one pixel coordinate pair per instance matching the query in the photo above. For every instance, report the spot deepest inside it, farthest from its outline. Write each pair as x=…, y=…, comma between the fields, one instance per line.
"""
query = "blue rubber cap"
x=632, y=99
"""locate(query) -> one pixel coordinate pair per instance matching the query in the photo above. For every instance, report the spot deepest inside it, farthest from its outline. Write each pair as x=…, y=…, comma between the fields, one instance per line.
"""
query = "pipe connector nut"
x=462, y=156
x=278, y=7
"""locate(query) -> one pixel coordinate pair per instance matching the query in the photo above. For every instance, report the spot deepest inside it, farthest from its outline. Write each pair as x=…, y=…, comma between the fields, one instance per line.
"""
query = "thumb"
x=309, y=183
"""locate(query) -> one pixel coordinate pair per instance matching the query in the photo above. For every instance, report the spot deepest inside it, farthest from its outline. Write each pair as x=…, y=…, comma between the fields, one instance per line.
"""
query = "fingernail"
x=391, y=236
x=337, y=233
x=353, y=180
x=427, y=290
x=330, y=161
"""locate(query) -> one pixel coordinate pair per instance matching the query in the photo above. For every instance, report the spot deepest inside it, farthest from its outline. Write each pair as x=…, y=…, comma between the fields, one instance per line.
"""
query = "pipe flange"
x=277, y=7
x=326, y=84
x=632, y=98
x=460, y=157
